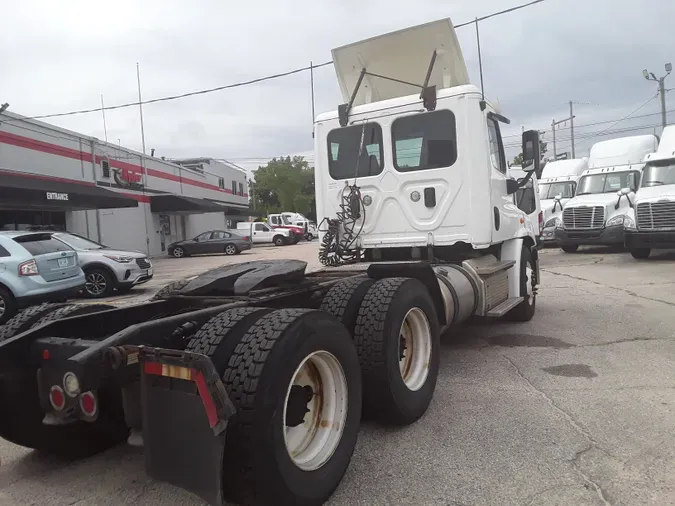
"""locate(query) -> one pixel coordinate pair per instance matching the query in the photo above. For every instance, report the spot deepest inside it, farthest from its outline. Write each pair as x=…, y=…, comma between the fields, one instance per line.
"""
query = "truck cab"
x=651, y=225
x=604, y=194
x=528, y=201
x=557, y=187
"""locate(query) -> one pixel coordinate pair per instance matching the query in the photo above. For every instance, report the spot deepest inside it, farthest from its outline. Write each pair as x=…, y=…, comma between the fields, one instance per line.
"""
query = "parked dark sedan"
x=213, y=241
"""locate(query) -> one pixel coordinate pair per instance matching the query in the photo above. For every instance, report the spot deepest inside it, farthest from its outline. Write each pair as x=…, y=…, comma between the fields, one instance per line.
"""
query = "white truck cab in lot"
x=557, y=187
x=605, y=193
x=652, y=224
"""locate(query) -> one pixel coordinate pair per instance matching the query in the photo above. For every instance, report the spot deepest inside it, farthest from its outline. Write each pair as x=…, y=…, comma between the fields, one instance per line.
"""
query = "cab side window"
x=259, y=227
x=496, y=147
x=525, y=199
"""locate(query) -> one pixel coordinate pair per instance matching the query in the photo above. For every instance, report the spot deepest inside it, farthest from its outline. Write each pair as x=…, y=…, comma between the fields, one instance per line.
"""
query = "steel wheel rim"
x=414, y=349
x=95, y=283
x=314, y=441
x=230, y=250
x=529, y=283
x=178, y=252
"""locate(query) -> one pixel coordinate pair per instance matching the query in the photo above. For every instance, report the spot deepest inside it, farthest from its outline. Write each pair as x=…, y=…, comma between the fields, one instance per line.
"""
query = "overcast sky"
x=60, y=56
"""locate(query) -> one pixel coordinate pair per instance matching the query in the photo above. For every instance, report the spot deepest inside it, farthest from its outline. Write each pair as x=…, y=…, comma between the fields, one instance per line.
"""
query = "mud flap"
x=185, y=409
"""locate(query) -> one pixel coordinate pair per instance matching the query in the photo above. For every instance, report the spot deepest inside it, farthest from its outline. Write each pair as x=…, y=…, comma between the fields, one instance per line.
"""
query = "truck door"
x=260, y=233
x=505, y=214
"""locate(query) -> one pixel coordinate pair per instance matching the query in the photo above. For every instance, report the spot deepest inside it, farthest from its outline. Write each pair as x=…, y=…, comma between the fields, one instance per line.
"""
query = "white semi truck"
x=557, y=186
x=248, y=383
x=651, y=225
x=605, y=193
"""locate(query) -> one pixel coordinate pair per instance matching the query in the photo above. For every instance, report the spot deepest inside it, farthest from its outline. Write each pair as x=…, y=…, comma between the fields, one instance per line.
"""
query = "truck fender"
x=511, y=250
x=421, y=271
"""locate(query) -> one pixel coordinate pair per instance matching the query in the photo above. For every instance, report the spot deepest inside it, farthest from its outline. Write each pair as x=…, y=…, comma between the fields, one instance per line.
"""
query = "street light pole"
x=649, y=76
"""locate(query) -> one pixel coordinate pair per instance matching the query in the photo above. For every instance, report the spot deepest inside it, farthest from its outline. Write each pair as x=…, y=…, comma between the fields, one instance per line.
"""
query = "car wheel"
x=178, y=252
x=569, y=248
x=310, y=237
x=279, y=240
x=7, y=305
x=99, y=283
x=231, y=249
x=640, y=253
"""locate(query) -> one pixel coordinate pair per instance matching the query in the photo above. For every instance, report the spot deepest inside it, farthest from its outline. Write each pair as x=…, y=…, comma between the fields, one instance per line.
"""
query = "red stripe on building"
x=54, y=149
x=145, y=199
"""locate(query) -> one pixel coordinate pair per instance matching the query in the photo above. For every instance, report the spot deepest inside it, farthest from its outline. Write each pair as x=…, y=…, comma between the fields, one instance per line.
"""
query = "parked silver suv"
x=107, y=269
x=35, y=268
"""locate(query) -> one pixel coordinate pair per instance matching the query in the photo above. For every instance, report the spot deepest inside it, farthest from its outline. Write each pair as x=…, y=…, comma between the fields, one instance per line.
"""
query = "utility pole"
x=555, y=123
x=649, y=76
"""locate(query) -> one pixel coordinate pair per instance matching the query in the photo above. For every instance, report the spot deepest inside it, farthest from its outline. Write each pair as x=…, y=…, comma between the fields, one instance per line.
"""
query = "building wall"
x=38, y=148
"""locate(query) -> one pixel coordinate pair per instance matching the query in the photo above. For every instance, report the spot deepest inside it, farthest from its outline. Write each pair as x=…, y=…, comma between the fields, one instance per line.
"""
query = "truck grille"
x=656, y=216
x=143, y=263
x=584, y=217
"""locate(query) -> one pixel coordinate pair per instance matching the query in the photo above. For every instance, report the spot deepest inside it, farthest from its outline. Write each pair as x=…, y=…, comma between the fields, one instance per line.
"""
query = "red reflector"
x=57, y=398
x=45, y=354
x=153, y=368
x=88, y=403
x=209, y=405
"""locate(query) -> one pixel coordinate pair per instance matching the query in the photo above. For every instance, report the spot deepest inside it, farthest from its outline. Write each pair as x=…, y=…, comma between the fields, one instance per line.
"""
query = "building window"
x=105, y=168
x=424, y=141
x=221, y=183
x=234, y=187
x=241, y=190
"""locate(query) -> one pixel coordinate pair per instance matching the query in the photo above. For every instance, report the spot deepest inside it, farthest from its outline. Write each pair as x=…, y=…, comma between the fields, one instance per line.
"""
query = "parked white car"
x=261, y=233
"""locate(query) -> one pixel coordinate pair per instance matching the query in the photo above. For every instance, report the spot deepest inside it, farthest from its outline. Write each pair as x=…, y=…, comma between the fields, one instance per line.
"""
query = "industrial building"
x=53, y=177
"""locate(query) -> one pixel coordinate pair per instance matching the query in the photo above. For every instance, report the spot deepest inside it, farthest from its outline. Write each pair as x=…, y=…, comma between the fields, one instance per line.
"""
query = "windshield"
x=608, y=182
x=659, y=173
x=79, y=242
x=550, y=190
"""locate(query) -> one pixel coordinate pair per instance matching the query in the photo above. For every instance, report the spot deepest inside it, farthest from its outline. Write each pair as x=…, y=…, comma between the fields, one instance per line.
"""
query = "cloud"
x=535, y=61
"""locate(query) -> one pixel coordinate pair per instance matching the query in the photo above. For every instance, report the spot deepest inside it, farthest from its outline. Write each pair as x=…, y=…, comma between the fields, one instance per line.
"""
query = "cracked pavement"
x=576, y=407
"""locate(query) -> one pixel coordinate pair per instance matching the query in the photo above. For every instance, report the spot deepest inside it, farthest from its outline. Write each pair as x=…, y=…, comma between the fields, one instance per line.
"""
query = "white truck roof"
x=667, y=143
x=622, y=151
x=563, y=168
x=404, y=55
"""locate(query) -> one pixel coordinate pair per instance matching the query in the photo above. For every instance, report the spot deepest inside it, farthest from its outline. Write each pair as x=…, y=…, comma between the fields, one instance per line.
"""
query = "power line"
x=244, y=83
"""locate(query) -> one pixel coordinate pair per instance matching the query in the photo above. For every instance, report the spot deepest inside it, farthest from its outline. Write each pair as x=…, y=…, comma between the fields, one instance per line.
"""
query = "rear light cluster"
x=28, y=268
x=246, y=238
x=71, y=388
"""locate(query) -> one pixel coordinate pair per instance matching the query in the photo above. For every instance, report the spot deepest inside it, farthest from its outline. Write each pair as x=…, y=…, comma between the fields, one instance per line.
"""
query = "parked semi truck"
x=557, y=187
x=605, y=193
x=651, y=224
x=248, y=382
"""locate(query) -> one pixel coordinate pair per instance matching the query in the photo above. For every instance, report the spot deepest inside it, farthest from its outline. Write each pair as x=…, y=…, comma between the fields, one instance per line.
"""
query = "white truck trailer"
x=654, y=202
x=248, y=383
x=605, y=193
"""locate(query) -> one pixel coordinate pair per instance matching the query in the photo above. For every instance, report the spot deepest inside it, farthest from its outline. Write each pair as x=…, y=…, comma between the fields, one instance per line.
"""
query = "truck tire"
x=71, y=310
x=218, y=337
x=640, y=253
x=344, y=299
x=279, y=240
x=398, y=385
x=170, y=289
x=293, y=378
x=524, y=311
x=569, y=248
x=26, y=318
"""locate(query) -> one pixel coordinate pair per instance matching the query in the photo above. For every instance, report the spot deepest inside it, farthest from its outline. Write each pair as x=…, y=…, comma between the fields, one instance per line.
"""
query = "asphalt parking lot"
x=576, y=407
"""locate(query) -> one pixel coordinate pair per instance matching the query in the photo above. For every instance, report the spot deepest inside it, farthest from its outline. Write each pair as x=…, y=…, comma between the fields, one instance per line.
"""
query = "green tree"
x=284, y=184
x=518, y=159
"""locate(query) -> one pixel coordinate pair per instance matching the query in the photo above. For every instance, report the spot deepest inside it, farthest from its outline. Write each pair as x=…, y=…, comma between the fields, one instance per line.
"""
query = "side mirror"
x=558, y=197
x=531, y=154
x=624, y=191
x=512, y=186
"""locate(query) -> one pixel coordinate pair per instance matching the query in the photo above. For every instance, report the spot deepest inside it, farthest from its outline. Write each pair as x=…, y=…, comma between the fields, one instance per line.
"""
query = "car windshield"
x=550, y=190
x=79, y=242
x=608, y=182
x=659, y=173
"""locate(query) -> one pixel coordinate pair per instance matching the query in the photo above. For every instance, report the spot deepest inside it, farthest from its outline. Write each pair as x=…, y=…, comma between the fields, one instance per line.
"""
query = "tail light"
x=28, y=268
x=57, y=398
x=88, y=404
x=247, y=238
x=541, y=222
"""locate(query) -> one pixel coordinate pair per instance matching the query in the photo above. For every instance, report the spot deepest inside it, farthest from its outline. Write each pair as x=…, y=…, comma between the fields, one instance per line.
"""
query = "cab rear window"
x=41, y=244
x=424, y=141
x=348, y=157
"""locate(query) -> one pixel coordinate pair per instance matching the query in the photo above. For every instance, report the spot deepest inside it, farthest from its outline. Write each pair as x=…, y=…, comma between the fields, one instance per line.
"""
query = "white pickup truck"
x=261, y=233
